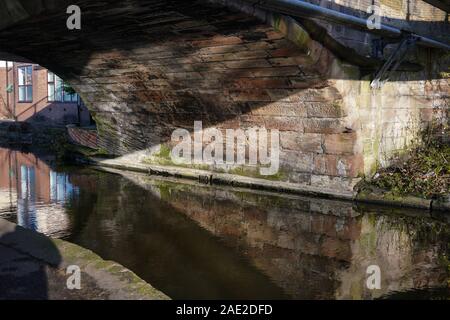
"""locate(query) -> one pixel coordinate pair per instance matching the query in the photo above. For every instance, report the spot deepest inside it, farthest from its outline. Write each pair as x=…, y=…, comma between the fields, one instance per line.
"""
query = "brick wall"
x=40, y=110
x=83, y=136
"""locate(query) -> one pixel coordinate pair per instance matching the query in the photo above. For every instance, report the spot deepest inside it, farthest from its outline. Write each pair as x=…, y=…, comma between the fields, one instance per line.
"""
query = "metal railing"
x=303, y=9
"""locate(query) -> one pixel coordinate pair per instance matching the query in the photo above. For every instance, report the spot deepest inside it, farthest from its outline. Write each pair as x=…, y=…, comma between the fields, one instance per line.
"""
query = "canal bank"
x=368, y=194
x=34, y=266
x=80, y=144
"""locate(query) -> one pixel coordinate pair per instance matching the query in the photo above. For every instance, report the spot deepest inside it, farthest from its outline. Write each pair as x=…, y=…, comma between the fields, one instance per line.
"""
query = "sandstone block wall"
x=146, y=69
x=83, y=136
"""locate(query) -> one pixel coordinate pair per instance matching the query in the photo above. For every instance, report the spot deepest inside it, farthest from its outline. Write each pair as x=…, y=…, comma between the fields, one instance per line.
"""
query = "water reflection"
x=34, y=193
x=195, y=241
x=317, y=248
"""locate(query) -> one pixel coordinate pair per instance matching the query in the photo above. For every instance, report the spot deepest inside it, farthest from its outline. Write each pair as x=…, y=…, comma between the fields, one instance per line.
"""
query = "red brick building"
x=31, y=93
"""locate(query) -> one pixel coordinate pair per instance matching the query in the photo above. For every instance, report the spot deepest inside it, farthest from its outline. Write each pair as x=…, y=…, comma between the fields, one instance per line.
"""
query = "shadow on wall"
x=417, y=14
x=53, y=113
x=133, y=23
x=154, y=67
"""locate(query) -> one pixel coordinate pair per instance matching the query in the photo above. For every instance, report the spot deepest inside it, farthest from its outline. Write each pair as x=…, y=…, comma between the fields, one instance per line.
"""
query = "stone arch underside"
x=145, y=68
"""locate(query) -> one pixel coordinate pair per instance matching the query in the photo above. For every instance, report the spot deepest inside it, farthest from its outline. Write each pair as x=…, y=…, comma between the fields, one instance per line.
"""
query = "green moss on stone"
x=424, y=173
x=254, y=172
x=302, y=38
x=163, y=153
x=276, y=22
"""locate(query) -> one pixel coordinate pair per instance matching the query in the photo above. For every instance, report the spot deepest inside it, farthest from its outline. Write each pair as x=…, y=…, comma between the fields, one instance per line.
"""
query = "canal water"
x=193, y=241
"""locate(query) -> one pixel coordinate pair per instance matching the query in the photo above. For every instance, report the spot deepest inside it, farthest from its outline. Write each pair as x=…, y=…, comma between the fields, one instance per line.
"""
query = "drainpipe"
x=78, y=110
x=14, y=90
x=302, y=9
x=9, y=174
x=7, y=84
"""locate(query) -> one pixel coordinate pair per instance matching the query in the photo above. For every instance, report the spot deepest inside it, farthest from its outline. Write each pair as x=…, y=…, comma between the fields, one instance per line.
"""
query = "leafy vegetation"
x=69, y=90
x=426, y=173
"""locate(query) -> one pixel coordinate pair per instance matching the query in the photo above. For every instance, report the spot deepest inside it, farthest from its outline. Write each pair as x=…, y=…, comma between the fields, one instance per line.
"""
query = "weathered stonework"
x=145, y=70
x=83, y=136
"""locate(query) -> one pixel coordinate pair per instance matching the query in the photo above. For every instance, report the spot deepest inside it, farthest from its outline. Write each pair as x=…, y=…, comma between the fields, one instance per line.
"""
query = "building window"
x=25, y=83
x=56, y=92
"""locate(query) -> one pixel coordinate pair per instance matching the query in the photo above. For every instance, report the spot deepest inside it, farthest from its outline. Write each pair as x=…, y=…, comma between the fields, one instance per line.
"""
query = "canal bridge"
x=344, y=97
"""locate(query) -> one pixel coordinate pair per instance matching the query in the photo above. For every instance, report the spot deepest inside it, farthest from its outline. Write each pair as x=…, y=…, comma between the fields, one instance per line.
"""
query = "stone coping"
x=374, y=197
x=212, y=178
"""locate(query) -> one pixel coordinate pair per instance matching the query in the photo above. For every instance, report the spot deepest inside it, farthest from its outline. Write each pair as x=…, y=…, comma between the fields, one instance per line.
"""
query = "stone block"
x=299, y=60
x=295, y=160
x=263, y=83
x=285, y=123
x=330, y=182
x=250, y=95
x=325, y=110
x=325, y=126
x=305, y=142
x=278, y=109
x=275, y=72
x=335, y=165
x=341, y=143
x=247, y=64
x=299, y=177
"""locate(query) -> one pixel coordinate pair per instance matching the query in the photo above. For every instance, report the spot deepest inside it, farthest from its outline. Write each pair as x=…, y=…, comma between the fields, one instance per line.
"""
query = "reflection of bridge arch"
x=314, y=248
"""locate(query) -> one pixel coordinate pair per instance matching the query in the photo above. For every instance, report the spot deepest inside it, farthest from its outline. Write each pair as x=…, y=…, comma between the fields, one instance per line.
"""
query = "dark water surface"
x=194, y=241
